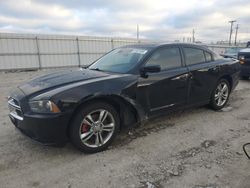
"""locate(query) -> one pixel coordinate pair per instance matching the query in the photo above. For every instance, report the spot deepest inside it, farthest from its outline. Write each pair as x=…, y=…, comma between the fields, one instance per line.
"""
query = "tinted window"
x=217, y=56
x=167, y=58
x=208, y=56
x=194, y=56
x=119, y=60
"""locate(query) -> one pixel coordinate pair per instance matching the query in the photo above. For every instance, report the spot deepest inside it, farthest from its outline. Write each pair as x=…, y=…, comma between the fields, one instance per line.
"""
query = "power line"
x=231, y=30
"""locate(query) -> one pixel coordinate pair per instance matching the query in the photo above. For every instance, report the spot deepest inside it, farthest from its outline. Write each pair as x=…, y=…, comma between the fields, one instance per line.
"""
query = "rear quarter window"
x=194, y=55
x=217, y=56
x=208, y=56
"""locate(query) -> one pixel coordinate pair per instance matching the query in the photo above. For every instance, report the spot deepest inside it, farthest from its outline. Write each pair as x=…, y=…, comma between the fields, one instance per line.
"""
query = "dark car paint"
x=136, y=98
x=58, y=79
x=163, y=89
x=245, y=68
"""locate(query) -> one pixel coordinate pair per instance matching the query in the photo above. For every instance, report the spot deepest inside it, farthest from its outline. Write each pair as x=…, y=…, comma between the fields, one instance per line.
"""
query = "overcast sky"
x=158, y=19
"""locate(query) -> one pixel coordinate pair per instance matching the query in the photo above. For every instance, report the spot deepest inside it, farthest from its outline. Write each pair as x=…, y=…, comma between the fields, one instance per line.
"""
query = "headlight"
x=44, y=106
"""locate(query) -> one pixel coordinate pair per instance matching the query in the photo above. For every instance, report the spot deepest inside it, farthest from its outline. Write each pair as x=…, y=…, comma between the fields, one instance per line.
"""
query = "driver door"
x=168, y=88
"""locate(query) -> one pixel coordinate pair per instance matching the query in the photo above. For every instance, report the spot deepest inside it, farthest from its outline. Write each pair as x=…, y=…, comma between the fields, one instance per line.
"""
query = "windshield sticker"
x=139, y=51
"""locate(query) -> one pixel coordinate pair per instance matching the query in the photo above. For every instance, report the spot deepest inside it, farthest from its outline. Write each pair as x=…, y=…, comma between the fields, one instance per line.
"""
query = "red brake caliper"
x=85, y=128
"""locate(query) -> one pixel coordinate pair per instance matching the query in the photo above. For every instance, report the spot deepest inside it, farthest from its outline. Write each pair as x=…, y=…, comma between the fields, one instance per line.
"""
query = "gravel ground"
x=196, y=148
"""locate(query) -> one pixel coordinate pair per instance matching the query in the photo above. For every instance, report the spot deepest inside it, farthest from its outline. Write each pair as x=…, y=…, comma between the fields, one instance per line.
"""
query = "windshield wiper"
x=84, y=66
x=96, y=69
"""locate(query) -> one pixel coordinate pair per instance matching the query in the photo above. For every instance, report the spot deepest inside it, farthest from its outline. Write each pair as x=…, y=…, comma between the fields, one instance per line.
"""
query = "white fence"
x=27, y=51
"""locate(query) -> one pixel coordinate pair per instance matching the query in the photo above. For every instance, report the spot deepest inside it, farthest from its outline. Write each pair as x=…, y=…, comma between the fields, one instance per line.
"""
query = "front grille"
x=15, y=109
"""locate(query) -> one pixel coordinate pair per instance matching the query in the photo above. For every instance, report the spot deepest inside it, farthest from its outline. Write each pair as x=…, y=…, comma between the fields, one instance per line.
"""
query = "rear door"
x=168, y=88
x=204, y=74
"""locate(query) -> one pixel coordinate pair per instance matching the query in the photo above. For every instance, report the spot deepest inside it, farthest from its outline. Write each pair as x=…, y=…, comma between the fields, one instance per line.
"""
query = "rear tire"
x=220, y=95
x=94, y=127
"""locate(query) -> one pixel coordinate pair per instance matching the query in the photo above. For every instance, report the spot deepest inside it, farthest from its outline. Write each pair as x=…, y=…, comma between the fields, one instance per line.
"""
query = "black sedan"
x=124, y=87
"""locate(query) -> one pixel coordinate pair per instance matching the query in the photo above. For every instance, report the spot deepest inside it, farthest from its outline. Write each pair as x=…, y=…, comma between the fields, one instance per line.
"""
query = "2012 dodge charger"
x=124, y=87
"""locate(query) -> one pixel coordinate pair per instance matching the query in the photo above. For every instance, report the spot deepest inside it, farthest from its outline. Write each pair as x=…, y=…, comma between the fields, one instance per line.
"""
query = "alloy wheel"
x=221, y=94
x=97, y=128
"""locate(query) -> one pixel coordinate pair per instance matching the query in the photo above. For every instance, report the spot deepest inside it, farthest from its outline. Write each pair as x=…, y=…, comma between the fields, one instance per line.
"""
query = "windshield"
x=120, y=60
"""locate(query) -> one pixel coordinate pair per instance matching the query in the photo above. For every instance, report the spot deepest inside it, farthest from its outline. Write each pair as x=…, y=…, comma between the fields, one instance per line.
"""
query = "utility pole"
x=137, y=32
x=193, y=36
x=236, y=33
x=231, y=30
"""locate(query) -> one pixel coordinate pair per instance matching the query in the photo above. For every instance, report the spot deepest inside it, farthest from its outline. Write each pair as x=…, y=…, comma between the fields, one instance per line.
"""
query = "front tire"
x=94, y=127
x=220, y=95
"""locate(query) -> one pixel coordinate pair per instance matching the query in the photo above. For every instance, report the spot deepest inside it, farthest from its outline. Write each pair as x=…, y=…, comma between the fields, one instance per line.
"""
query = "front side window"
x=120, y=60
x=167, y=58
x=194, y=55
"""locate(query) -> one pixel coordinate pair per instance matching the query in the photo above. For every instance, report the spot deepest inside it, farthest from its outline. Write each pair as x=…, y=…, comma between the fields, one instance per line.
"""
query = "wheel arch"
x=229, y=79
x=127, y=112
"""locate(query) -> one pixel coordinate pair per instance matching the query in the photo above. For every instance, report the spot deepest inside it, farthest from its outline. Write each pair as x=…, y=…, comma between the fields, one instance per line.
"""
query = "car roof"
x=157, y=45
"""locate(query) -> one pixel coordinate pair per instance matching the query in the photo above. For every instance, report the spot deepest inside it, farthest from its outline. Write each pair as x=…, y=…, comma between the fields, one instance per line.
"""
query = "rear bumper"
x=245, y=70
x=46, y=129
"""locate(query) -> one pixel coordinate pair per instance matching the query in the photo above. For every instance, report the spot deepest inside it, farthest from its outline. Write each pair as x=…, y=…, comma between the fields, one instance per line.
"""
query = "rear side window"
x=167, y=58
x=208, y=56
x=217, y=56
x=194, y=56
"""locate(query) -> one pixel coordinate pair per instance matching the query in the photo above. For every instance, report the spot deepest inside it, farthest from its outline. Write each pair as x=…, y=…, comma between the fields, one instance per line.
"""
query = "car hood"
x=59, y=79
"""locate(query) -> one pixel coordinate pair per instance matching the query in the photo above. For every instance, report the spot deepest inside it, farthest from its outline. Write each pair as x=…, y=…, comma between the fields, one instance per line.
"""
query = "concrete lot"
x=197, y=148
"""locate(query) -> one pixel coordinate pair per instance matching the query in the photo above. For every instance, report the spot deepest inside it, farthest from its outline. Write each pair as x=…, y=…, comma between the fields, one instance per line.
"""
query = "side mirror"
x=149, y=69
x=246, y=149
